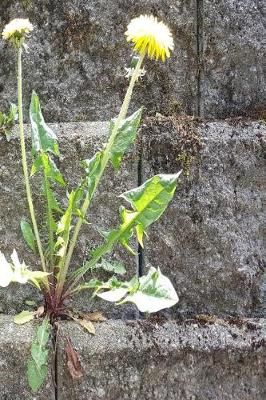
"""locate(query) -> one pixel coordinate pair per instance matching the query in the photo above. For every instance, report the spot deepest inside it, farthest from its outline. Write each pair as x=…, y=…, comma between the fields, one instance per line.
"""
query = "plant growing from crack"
x=150, y=293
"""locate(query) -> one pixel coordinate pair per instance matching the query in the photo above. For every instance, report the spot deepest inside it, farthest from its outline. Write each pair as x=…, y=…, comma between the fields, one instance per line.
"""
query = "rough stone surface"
x=233, y=66
x=15, y=345
x=77, y=141
x=166, y=361
x=211, y=240
x=78, y=54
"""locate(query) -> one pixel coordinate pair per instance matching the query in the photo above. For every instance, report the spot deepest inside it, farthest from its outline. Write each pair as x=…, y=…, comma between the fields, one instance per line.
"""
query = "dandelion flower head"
x=17, y=29
x=150, y=37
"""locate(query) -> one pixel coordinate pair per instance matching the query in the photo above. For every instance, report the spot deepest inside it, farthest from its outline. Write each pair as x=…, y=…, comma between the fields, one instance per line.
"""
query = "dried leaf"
x=73, y=362
x=95, y=316
x=88, y=325
x=40, y=311
x=24, y=317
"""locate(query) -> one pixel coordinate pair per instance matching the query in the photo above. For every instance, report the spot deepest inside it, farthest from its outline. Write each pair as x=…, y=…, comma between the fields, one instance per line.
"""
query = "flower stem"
x=24, y=161
x=106, y=156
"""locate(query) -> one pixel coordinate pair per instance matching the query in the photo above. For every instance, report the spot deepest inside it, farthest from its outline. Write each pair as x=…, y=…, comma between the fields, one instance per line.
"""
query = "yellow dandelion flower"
x=150, y=37
x=17, y=29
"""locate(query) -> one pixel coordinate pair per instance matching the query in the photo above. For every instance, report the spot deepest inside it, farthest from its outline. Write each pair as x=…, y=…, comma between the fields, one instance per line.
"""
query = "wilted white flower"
x=17, y=29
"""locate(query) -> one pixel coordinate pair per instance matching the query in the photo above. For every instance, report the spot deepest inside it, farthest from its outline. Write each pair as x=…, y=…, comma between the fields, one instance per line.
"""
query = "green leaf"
x=44, y=162
x=23, y=317
x=37, y=364
x=92, y=167
x=64, y=225
x=111, y=266
x=36, y=377
x=38, y=356
x=125, y=137
x=148, y=201
x=12, y=115
x=28, y=234
x=43, y=138
x=152, y=293
x=155, y=292
x=7, y=121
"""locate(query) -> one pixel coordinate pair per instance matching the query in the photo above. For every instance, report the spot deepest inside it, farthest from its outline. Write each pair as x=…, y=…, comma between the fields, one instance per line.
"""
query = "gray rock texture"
x=78, y=54
x=232, y=44
x=211, y=240
x=77, y=142
x=144, y=360
x=15, y=345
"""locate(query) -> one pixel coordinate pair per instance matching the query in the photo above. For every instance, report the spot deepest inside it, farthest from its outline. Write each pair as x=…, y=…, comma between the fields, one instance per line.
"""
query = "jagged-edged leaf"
x=37, y=364
x=152, y=292
x=111, y=266
x=43, y=138
x=97, y=285
x=12, y=115
x=148, y=201
x=7, y=121
x=44, y=162
x=155, y=292
x=28, y=234
x=23, y=317
x=92, y=167
x=64, y=225
x=126, y=136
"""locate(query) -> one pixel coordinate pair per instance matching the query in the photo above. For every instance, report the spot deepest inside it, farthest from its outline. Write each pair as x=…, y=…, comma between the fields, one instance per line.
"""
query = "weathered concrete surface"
x=211, y=240
x=232, y=39
x=15, y=342
x=78, y=54
x=144, y=360
x=77, y=142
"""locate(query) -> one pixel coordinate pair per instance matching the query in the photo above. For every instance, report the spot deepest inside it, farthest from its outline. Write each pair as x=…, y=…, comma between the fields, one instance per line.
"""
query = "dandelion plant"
x=146, y=203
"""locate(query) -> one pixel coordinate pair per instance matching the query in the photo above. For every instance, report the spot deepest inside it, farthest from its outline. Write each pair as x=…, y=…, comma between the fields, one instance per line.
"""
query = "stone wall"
x=143, y=360
x=78, y=54
x=211, y=240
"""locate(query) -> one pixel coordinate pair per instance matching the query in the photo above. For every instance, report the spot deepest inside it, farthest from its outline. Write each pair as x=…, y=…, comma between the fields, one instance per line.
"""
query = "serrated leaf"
x=23, y=317
x=126, y=136
x=155, y=292
x=111, y=266
x=64, y=226
x=151, y=293
x=92, y=167
x=36, y=377
x=37, y=364
x=43, y=138
x=148, y=201
x=28, y=235
x=44, y=162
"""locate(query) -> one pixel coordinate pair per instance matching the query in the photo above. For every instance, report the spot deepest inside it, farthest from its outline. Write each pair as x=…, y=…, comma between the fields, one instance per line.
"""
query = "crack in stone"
x=199, y=38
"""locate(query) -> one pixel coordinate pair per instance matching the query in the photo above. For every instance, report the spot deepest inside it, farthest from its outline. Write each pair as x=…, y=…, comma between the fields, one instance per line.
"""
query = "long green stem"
x=104, y=162
x=24, y=161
